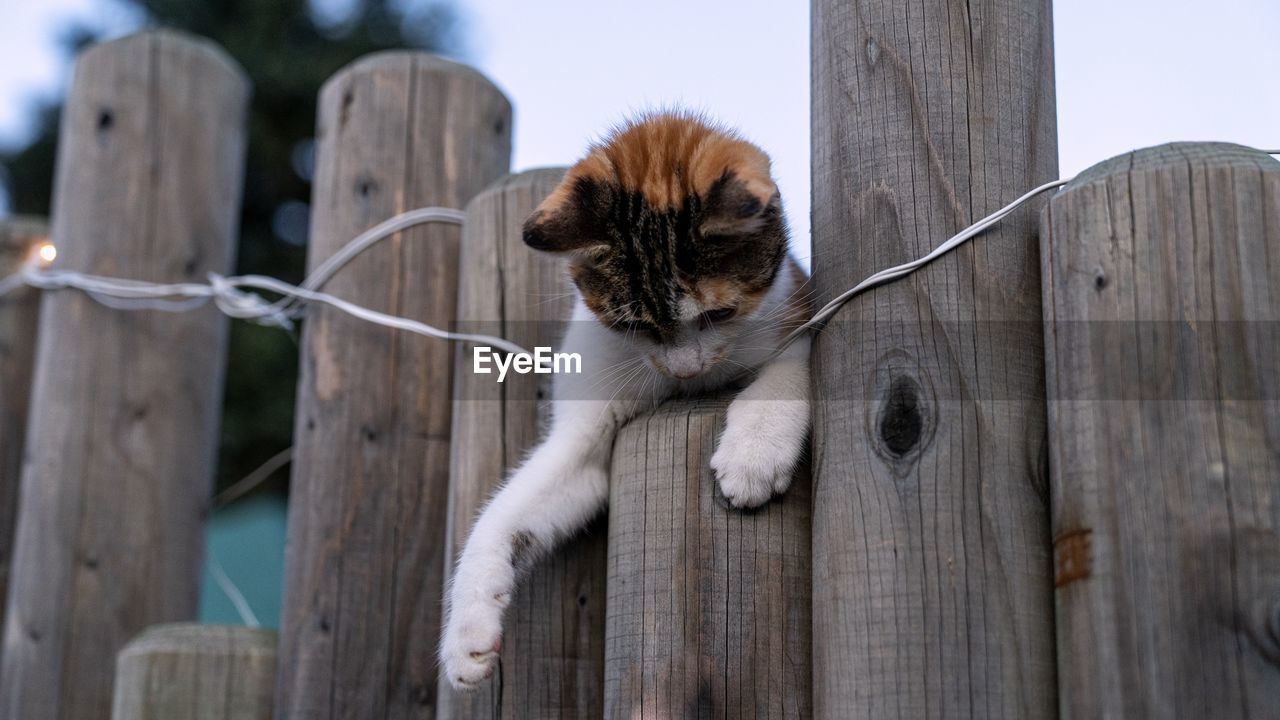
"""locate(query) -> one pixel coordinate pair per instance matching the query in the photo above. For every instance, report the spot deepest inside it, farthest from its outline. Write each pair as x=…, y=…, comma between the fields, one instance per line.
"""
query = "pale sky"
x=1129, y=74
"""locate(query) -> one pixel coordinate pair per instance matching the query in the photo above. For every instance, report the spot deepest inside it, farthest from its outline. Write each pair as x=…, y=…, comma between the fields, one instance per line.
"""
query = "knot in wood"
x=903, y=416
x=900, y=421
x=366, y=186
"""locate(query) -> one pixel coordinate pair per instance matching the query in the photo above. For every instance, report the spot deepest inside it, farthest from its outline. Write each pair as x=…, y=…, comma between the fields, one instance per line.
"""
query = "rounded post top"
x=679, y=409
x=1177, y=154
x=202, y=50
x=415, y=61
x=545, y=177
x=197, y=638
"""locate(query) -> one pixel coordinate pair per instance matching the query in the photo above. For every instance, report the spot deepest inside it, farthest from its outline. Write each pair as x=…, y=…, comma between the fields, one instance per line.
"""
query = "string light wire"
x=829, y=310
x=821, y=317
x=234, y=295
x=249, y=482
x=232, y=592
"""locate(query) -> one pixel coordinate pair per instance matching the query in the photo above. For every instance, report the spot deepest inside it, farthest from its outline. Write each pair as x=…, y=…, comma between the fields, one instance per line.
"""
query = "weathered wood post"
x=930, y=525
x=1163, y=349
x=709, y=607
x=186, y=671
x=553, y=641
x=19, y=309
x=396, y=131
x=124, y=407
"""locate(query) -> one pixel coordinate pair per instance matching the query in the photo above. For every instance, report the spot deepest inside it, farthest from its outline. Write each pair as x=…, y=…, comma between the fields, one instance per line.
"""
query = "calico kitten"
x=677, y=245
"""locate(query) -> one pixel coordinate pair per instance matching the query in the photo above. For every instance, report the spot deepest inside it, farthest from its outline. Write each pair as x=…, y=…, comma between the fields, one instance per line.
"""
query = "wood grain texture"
x=931, y=531
x=709, y=607
x=552, y=663
x=1163, y=350
x=125, y=405
x=19, y=311
x=365, y=554
x=187, y=671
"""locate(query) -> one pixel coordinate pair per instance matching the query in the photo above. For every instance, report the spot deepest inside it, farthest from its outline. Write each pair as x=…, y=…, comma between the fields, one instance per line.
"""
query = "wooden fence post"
x=1163, y=348
x=19, y=309
x=709, y=607
x=931, y=532
x=124, y=407
x=553, y=643
x=186, y=671
x=397, y=131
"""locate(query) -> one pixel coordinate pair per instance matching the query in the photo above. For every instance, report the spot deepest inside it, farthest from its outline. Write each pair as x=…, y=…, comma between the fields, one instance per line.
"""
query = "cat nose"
x=683, y=363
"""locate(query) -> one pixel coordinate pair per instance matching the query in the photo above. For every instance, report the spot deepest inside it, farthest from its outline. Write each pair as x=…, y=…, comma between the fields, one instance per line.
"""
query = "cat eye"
x=711, y=317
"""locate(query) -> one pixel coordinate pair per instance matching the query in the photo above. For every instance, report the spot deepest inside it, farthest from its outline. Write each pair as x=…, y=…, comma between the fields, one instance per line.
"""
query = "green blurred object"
x=288, y=48
x=247, y=540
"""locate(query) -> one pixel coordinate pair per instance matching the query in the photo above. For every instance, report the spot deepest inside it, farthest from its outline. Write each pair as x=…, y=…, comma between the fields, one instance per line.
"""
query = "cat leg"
x=561, y=486
x=766, y=428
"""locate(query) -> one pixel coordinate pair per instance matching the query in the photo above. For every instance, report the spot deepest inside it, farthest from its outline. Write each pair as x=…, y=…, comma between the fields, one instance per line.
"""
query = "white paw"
x=470, y=646
x=472, y=636
x=756, y=454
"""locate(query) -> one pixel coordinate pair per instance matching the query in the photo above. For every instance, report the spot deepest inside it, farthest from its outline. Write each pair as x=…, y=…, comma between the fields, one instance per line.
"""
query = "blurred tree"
x=288, y=48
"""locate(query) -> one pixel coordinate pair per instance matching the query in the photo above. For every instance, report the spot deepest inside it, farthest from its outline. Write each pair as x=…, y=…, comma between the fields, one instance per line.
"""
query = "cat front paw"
x=756, y=454
x=472, y=637
x=745, y=484
x=471, y=645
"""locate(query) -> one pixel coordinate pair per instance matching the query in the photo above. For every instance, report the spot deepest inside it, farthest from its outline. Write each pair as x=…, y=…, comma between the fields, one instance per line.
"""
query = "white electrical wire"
x=229, y=589
x=364, y=240
x=822, y=316
x=230, y=296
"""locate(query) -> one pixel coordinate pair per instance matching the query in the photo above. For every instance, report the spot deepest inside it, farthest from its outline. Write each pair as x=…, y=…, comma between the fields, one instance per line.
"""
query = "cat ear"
x=554, y=231
x=737, y=206
x=569, y=219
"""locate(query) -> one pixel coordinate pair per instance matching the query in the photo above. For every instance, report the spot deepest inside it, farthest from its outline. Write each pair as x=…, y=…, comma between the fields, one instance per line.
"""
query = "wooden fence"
x=122, y=431
x=932, y=530
x=19, y=313
x=1044, y=478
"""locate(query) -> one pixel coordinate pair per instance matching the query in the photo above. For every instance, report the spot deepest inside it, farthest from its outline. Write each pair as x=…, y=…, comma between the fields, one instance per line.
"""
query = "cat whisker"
x=773, y=332
x=551, y=299
x=777, y=310
x=614, y=371
x=621, y=386
x=786, y=302
x=776, y=330
x=605, y=382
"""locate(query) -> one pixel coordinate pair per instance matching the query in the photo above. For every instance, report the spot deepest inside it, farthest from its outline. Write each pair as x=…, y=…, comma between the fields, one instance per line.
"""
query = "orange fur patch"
x=717, y=292
x=666, y=158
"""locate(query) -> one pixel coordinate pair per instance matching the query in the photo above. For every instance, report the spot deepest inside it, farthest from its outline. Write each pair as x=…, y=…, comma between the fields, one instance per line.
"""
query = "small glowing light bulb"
x=48, y=253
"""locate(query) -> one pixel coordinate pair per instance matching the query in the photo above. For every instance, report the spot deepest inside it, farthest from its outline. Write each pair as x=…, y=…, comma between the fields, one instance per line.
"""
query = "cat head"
x=675, y=233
